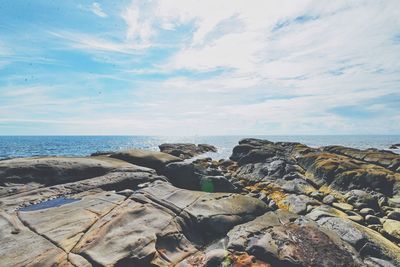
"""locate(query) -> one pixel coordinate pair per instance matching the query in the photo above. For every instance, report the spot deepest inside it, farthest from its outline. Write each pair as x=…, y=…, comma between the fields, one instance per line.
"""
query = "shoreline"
x=204, y=211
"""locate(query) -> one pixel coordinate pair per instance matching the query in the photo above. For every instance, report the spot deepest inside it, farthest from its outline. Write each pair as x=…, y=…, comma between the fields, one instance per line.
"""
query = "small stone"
x=375, y=227
x=263, y=197
x=382, y=201
x=355, y=218
x=367, y=211
x=317, y=195
x=343, y=206
x=126, y=192
x=310, y=208
x=15, y=231
x=272, y=205
x=371, y=219
x=394, y=215
x=329, y=199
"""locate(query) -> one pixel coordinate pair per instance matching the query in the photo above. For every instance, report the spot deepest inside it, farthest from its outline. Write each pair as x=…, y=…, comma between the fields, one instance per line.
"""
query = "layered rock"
x=271, y=204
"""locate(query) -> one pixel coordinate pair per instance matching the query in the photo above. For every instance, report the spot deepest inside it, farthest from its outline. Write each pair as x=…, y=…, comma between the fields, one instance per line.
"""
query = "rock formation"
x=270, y=204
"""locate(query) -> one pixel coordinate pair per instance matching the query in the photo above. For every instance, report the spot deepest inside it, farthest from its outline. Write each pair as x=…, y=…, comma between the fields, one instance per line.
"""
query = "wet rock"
x=186, y=151
x=395, y=146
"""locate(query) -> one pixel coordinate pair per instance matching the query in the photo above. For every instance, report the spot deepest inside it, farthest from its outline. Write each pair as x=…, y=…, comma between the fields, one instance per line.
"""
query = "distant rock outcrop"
x=186, y=151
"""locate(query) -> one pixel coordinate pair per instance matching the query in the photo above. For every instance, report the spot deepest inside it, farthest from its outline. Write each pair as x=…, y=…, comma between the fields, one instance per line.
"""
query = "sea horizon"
x=84, y=145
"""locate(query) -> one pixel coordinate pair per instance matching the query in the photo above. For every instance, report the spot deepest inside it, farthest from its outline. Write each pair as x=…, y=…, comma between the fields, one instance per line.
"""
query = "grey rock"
x=329, y=199
x=367, y=211
x=371, y=219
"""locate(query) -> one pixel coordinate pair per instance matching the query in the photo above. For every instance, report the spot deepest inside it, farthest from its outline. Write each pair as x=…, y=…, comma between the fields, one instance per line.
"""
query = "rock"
x=64, y=225
x=189, y=175
x=371, y=219
x=375, y=262
x=150, y=159
x=273, y=238
x=186, y=151
x=31, y=173
x=395, y=146
x=361, y=199
x=215, y=258
x=26, y=248
x=317, y=195
x=126, y=192
x=298, y=186
x=342, y=206
x=216, y=184
x=392, y=227
x=343, y=173
x=367, y=211
x=384, y=158
x=345, y=230
x=298, y=203
x=329, y=199
x=394, y=215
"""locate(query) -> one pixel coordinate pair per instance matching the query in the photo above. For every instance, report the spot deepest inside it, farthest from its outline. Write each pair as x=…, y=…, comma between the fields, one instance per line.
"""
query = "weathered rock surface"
x=186, y=151
x=151, y=159
x=271, y=204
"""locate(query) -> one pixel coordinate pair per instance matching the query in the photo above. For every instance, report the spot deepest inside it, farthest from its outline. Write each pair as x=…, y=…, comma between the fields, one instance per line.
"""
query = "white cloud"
x=284, y=67
x=96, y=9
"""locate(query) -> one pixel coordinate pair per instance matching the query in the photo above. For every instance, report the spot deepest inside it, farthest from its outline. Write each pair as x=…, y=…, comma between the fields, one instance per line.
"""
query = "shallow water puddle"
x=49, y=204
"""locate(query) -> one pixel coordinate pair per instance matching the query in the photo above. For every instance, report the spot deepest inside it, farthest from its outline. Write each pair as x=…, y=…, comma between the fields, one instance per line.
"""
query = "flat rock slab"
x=66, y=224
x=151, y=159
x=22, y=247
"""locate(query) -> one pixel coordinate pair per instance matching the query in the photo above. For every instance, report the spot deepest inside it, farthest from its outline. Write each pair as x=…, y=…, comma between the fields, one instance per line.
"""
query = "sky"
x=205, y=67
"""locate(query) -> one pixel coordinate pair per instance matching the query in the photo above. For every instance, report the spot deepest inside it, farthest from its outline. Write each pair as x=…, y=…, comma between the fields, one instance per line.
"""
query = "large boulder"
x=281, y=240
x=343, y=173
x=195, y=176
x=26, y=174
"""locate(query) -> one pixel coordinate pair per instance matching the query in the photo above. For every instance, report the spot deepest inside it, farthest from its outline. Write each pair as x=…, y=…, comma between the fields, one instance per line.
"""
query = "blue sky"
x=209, y=67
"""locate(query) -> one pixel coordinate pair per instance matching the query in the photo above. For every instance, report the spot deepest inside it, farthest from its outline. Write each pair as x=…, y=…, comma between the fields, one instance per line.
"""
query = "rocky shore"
x=271, y=204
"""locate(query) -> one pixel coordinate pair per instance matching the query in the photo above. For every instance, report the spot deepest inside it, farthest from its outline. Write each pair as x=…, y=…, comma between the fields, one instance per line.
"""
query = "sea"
x=32, y=146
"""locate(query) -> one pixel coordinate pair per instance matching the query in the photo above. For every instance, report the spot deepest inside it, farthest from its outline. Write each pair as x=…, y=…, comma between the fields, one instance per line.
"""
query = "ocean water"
x=28, y=146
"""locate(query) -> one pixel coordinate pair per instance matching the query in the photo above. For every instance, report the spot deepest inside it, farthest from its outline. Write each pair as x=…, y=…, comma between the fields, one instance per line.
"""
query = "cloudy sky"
x=204, y=67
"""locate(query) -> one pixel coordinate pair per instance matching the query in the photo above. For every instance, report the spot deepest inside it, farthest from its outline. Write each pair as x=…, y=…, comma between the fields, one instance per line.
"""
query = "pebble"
x=394, y=215
x=367, y=211
x=329, y=199
x=371, y=219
